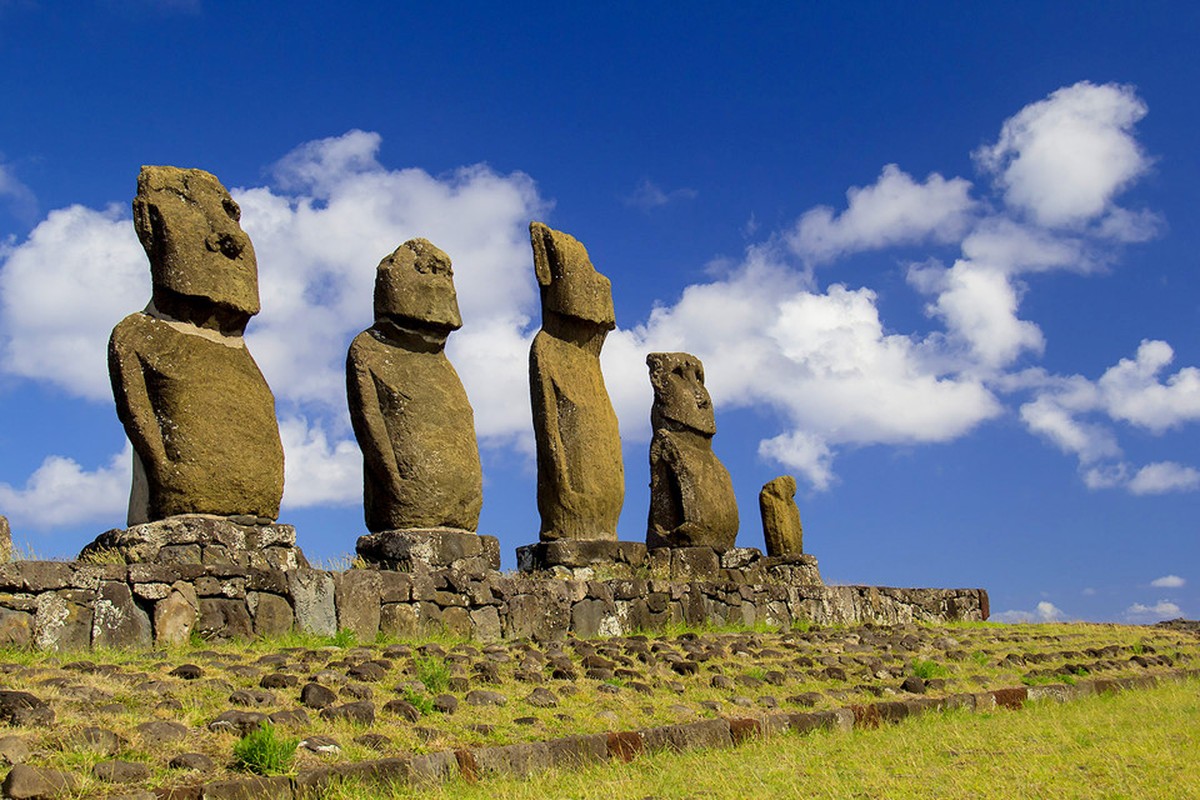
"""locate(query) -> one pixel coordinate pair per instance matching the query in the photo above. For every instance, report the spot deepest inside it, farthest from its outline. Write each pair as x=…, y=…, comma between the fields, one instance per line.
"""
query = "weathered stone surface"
x=781, y=517
x=581, y=475
x=175, y=615
x=13, y=749
x=409, y=550
x=581, y=553
x=61, y=624
x=117, y=620
x=6, y=545
x=121, y=771
x=408, y=407
x=22, y=708
x=16, y=628
x=222, y=618
x=203, y=539
x=37, y=783
x=356, y=594
x=691, y=493
x=313, y=596
x=182, y=365
x=271, y=613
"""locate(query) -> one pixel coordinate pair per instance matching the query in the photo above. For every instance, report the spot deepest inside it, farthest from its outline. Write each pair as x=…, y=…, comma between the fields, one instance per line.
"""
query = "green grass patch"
x=264, y=752
x=927, y=669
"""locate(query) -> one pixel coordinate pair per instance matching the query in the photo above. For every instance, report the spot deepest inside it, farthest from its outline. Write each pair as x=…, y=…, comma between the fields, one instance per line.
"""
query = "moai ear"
x=143, y=222
x=544, y=252
x=657, y=377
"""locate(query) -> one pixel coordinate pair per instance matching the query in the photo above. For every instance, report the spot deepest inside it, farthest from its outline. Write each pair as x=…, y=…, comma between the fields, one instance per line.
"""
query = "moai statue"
x=691, y=494
x=207, y=458
x=6, y=545
x=193, y=402
x=780, y=517
x=421, y=472
x=581, y=477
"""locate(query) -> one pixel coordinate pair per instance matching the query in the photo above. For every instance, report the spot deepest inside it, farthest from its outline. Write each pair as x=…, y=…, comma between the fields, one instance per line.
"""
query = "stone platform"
x=201, y=539
x=580, y=558
x=423, y=549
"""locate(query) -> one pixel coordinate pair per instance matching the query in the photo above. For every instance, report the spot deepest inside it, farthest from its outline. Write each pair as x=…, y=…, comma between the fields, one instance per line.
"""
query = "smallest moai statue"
x=780, y=517
x=692, y=503
x=6, y=546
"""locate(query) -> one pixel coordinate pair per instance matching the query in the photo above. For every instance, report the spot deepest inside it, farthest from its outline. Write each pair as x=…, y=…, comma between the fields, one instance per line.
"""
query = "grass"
x=928, y=669
x=1128, y=744
x=650, y=694
x=264, y=752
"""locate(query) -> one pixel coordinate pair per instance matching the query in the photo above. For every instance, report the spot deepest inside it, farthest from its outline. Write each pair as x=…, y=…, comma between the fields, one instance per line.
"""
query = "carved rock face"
x=571, y=286
x=581, y=474
x=780, y=517
x=679, y=393
x=415, y=287
x=411, y=415
x=190, y=228
x=692, y=502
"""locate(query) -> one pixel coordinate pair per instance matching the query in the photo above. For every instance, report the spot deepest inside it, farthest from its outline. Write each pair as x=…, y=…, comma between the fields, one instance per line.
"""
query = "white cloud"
x=894, y=210
x=649, y=195
x=1165, y=476
x=1163, y=609
x=317, y=472
x=1131, y=390
x=1045, y=611
x=61, y=492
x=1048, y=417
x=15, y=195
x=62, y=290
x=806, y=453
x=1168, y=582
x=1063, y=159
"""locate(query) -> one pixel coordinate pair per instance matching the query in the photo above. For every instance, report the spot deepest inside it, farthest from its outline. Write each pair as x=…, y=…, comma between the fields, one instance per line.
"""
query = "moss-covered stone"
x=193, y=402
x=410, y=413
x=581, y=475
x=692, y=503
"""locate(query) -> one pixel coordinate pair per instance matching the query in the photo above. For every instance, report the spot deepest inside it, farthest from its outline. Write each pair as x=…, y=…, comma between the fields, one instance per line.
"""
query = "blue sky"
x=939, y=259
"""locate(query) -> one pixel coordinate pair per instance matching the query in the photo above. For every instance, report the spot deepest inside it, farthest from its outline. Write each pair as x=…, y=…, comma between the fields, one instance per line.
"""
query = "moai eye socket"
x=232, y=209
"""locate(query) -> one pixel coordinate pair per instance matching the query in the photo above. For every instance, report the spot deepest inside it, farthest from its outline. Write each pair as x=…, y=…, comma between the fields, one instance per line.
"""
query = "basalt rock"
x=410, y=412
x=5, y=541
x=193, y=402
x=692, y=503
x=581, y=476
x=780, y=517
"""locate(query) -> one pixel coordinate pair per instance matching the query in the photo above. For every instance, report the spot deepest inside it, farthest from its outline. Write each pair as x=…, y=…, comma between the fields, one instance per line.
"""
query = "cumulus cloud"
x=1045, y=611
x=1078, y=416
x=1163, y=609
x=892, y=211
x=1163, y=477
x=61, y=492
x=1063, y=159
x=318, y=472
x=62, y=290
x=1168, y=582
x=649, y=195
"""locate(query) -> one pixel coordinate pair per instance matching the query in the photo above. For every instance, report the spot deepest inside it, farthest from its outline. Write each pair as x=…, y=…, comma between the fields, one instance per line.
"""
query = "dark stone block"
x=574, y=553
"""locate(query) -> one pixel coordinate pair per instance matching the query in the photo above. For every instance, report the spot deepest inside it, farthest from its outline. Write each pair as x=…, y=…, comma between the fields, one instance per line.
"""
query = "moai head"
x=199, y=254
x=571, y=286
x=414, y=287
x=680, y=399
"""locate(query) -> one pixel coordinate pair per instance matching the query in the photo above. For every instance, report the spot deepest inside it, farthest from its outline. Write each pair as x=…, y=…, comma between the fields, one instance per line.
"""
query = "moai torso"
x=581, y=475
x=410, y=412
x=194, y=404
x=692, y=503
x=782, y=531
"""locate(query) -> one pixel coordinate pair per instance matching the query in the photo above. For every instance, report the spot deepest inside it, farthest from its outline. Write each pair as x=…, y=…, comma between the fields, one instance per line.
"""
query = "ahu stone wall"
x=75, y=605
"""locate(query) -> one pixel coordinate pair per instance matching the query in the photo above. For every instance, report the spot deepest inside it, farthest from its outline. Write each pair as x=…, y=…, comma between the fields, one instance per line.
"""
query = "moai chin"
x=410, y=412
x=782, y=531
x=691, y=494
x=194, y=404
x=581, y=477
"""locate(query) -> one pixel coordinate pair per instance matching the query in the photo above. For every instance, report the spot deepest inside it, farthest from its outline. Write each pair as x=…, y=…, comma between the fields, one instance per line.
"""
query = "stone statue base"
x=202, y=539
x=570, y=555
x=707, y=564
x=417, y=549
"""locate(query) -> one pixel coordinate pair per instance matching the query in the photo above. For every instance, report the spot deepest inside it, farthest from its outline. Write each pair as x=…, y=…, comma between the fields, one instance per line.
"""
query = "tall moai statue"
x=194, y=404
x=691, y=494
x=581, y=476
x=423, y=485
